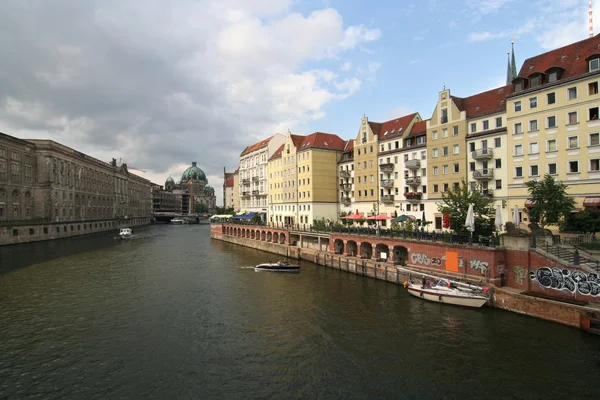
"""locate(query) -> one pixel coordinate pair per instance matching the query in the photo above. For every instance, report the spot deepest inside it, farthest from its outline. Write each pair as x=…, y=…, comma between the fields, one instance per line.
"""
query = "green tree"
x=551, y=204
x=200, y=208
x=587, y=221
x=456, y=202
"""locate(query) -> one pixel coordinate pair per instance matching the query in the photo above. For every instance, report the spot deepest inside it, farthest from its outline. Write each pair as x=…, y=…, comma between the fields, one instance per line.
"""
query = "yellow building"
x=366, y=170
x=553, y=123
x=230, y=190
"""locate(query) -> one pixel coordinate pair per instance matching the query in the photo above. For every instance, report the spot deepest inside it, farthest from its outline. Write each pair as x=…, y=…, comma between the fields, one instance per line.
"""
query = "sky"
x=160, y=84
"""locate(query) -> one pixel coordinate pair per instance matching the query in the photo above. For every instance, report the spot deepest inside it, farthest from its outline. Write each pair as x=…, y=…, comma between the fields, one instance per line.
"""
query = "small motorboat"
x=277, y=266
x=448, y=293
x=126, y=233
x=177, y=221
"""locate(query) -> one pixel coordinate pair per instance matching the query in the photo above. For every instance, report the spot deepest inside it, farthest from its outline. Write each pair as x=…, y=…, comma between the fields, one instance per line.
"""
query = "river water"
x=173, y=314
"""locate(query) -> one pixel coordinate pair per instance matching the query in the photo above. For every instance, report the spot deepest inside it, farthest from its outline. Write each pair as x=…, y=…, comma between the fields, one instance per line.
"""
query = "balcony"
x=245, y=194
x=413, y=195
x=387, y=183
x=412, y=180
x=345, y=201
x=245, y=181
x=444, y=119
x=387, y=198
x=255, y=179
x=484, y=174
x=487, y=193
x=255, y=192
x=413, y=164
x=388, y=167
x=345, y=186
x=345, y=174
x=483, y=154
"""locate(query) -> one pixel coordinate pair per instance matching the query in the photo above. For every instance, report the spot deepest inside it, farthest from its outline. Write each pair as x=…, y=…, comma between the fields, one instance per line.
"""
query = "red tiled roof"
x=484, y=103
x=349, y=146
x=297, y=139
x=571, y=58
x=277, y=153
x=228, y=179
x=321, y=140
x=256, y=146
x=418, y=129
x=395, y=127
x=375, y=127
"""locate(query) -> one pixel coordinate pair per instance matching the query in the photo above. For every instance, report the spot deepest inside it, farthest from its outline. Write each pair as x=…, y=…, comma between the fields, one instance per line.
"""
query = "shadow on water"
x=18, y=256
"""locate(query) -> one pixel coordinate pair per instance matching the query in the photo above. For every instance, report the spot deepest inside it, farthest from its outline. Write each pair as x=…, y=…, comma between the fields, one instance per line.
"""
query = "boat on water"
x=446, y=292
x=277, y=266
x=126, y=233
x=177, y=221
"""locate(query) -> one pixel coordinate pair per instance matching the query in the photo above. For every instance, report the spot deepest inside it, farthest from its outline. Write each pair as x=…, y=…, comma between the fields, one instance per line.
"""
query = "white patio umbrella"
x=470, y=220
x=498, y=221
x=516, y=217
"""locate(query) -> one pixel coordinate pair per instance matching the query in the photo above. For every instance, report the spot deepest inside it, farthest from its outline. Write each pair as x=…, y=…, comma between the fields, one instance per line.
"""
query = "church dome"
x=170, y=180
x=194, y=173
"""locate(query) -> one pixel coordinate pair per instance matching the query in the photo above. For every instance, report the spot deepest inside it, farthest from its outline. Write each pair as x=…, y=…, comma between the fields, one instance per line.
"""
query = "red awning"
x=591, y=201
x=529, y=203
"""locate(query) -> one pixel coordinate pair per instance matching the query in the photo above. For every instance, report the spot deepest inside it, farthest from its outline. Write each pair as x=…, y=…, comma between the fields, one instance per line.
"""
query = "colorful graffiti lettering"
x=520, y=274
x=481, y=266
x=572, y=281
x=420, y=258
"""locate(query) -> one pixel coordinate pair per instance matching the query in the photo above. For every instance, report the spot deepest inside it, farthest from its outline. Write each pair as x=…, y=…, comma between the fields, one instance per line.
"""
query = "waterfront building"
x=346, y=178
x=413, y=182
x=366, y=170
x=553, y=123
x=229, y=190
x=253, y=171
x=54, y=191
x=164, y=201
x=193, y=189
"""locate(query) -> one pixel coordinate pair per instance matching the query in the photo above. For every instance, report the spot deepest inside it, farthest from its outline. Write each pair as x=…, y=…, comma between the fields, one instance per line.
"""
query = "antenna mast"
x=591, y=21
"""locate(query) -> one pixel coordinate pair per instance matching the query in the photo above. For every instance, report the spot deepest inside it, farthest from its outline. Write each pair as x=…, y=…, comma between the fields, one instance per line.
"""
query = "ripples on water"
x=172, y=314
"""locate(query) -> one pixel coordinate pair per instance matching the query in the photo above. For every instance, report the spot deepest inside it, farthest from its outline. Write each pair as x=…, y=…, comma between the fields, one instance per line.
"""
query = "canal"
x=173, y=314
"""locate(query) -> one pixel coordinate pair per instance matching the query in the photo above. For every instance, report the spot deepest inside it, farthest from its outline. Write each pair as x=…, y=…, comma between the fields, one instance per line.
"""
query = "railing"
x=387, y=183
x=345, y=186
x=387, y=198
x=255, y=192
x=245, y=193
x=255, y=179
x=486, y=173
x=387, y=167
x=345, y=200
x=487, y=193
x=444, y=119
x=246, y=181
x=345, y=174
x=413, y=180
x=482, y=154
x=413, y=164
x=413, y=196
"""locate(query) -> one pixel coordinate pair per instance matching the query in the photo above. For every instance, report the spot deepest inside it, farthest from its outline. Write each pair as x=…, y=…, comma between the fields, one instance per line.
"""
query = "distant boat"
x=126, y=233
x=177, y=221
x=277, y=266
x=446, y=293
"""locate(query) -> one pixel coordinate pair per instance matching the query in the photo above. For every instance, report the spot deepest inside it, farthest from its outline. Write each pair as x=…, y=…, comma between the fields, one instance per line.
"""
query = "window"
x=551, y=98
x=455, y=130
x=438, y=222
x=445, y=187
x=497, y=142
x=594, y=139
x=518, y=86
x=551, y=122
x=551, y=145
x=498, y=122
x=552, y=168
x=517, y=106
x=573, y=142
x=434, y=135
x=434, y=153
x=435, y=188
x=423, y=172
x=534, y=81
x=533, y=125
x=435, y=171
x=553, y=76
x=533, y=102
x=455, y=149
x=471, y=166
x=573, y=167
x=593, y=114
x=444, y=133
x=498, y=183
x=473, y=127
x=595, y=165
x=486, y=125
x=518, y=150
x=518, y=128
x=456, y=168
x=498, y=163
x=423, y=155
x=444, y=115
x=445, y=170
x=445, y=151
x=592, y=88
x=518, y=172
x=534, y=148
x=472, y=146
x=572, y=117
x=594, y=64
x=571, y=93
x=533, y=170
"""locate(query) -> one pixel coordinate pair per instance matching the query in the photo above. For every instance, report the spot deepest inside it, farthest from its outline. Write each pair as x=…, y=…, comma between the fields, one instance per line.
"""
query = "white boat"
x=177, y=221
x=126, y=233
x=447, y=293
x=277, y=266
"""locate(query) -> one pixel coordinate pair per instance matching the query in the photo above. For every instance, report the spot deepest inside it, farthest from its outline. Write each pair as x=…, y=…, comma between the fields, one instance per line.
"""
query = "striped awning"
x=592, y=201
x=529, y=203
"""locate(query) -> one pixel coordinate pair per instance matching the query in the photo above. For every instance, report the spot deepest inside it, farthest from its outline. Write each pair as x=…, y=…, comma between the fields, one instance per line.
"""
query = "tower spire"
x=513, y=66
x=509, y=76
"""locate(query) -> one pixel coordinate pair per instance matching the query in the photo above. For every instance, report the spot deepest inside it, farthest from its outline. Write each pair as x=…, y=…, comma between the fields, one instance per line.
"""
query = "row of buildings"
x=543, y=121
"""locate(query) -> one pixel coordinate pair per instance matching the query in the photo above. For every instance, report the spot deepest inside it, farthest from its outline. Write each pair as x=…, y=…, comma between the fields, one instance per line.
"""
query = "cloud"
x=346, y=66
x=526, y=27
x=487, y=6
x=161, y=86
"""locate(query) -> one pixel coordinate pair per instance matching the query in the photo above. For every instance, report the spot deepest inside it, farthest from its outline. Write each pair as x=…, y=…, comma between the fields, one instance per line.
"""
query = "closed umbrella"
x=498, y=221
x=470, y=220
x=516, y=217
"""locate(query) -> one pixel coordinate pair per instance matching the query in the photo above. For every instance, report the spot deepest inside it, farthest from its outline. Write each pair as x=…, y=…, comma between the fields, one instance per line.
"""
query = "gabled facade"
x=228, y=189
x=413, y=163
x=366, y=170
x=346, y=178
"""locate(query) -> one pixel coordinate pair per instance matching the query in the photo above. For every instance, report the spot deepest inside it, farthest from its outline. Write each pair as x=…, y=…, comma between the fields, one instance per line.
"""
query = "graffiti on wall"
x=421, y=258
x=478, y=265
x=571, y=281
x=520, y=274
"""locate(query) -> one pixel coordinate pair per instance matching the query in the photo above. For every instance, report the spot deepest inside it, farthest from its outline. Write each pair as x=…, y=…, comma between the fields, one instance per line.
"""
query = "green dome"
x=170, y=180
x=193, y=173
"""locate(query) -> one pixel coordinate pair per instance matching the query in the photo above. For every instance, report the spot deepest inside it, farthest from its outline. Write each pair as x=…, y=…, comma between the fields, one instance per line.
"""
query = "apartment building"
x=366, y=169
x=253, y=170
x=413, y=161
x=553, y=125
x=230, y=190
x=346, y=178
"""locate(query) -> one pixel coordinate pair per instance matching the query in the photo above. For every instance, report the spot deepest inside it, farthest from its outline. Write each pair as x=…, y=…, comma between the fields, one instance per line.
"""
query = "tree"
x=200, y=208
x=551, y=204
x=587, y=221
x=456, y=204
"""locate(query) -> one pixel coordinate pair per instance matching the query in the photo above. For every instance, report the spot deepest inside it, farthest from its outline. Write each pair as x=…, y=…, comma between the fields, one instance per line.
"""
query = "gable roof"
x=375, y=127
x=228, y=179
x=396, y=127
x=297, y=139
x=419, y=128
x=571, y=58
x=277, y=153
x=256, y=146
x=321, y=140
x=349, y=146
x=489, y=102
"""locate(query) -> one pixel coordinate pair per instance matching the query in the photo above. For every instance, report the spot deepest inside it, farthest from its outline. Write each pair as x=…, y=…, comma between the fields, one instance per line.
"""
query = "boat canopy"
x=250, y=215
x=226, y=216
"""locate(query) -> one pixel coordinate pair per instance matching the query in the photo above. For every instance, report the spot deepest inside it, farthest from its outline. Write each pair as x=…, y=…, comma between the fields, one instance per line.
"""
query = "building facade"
x=229, y=192
x=193, y=190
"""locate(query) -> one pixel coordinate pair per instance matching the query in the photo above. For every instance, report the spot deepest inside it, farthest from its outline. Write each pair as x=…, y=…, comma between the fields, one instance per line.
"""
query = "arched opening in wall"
x=366, y=250
x=338, y=246
x=382, y=251
x=243, y=233
x=248, y=233
x=282, y=238
x=257, y=235
x=263, y=236
x=400, y=255
x=351, y=248
x=275, y=237
x=253, y=234
x=269, y=236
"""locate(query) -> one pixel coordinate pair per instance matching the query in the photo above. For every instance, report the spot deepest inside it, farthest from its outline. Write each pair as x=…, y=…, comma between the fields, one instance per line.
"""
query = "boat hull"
x=453, y=298
x=277, y=267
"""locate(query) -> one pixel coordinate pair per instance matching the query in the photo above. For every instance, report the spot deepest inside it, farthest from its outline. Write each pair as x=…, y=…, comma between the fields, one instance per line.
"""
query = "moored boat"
x=447, y=293
x=125, y=233
x=177, y=221
x=277, y=266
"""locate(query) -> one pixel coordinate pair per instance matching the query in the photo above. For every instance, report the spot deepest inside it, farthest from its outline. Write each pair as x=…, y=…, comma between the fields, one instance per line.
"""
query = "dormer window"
x=534, y=81
x=594, y=64
x=553, y=76
x=518, y=86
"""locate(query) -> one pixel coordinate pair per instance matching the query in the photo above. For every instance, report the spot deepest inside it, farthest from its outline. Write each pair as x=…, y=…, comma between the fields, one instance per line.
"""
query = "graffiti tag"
x=520, y=274
x=481, y=266
x=420, y=258
x=571, y=281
